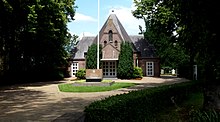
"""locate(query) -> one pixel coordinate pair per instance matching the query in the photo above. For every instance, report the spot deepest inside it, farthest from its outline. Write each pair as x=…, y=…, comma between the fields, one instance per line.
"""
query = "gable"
x=112, y=48
x=119, y=33
x=110, y=52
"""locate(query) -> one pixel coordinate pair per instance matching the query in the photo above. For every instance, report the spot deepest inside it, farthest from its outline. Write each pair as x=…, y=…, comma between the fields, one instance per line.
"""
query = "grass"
x=71, y=88
x=180, y=113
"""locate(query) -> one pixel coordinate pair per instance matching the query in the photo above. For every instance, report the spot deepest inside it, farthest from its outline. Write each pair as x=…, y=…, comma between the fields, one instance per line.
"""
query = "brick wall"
x=142, y=64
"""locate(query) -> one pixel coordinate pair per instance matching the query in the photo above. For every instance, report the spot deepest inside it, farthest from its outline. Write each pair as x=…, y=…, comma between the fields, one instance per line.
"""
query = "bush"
x=81, y=74
x=204, y=116
x=136, y=106
x=138, y=73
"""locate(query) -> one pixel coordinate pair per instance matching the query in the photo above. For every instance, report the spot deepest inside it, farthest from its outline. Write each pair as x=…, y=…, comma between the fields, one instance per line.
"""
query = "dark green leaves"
x=125, y=64
x=91, y=57
x=33, y=37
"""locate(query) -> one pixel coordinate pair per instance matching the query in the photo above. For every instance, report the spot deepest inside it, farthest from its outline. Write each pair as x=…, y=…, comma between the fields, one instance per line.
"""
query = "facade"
x=111, y=35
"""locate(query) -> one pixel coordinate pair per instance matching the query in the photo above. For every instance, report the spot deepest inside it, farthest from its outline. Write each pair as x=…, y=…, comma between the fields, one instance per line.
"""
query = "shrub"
x=204, y=116
x=125, y=64
x=135, y=106
x=138, y=73
x=81, y=74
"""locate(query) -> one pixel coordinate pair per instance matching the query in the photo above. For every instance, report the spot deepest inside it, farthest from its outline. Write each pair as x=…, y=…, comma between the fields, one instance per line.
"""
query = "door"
x=149, y=68
x=109, y=69
x=74, y=68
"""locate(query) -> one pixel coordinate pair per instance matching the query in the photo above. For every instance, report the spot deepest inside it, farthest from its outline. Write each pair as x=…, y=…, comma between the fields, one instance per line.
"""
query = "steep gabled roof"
x=139, y=44
x=124, y=35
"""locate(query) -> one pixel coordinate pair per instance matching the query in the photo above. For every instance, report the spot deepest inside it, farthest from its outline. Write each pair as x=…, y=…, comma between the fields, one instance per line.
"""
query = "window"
x=150, y=68
x=105, y=43
x=109, y=69
x=75, y=67
x=110, y=35
x=116, y=43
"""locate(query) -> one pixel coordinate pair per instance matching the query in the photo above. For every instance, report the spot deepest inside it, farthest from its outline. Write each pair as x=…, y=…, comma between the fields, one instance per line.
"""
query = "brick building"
x=111, y=36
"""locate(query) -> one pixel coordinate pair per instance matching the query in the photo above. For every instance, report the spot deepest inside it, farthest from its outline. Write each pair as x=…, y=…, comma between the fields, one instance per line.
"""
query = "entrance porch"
x=109, y=68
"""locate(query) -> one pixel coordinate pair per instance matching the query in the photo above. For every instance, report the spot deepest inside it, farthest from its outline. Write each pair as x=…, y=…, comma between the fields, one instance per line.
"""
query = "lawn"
x=71, y=88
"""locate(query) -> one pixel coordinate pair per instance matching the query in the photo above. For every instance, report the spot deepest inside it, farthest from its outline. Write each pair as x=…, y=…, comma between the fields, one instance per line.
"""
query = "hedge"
x=137, y=106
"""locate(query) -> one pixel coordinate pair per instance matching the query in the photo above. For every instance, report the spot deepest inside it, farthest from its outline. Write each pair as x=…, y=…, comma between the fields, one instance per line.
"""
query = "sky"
x=86, y=17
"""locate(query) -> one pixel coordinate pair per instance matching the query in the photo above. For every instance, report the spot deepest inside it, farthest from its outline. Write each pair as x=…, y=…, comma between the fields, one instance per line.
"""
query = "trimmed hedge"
x=137, y=106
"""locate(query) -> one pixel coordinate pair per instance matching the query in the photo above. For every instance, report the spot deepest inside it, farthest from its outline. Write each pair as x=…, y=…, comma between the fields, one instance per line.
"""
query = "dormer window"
x=116, y=43
x=105, y=43
x=110, y=35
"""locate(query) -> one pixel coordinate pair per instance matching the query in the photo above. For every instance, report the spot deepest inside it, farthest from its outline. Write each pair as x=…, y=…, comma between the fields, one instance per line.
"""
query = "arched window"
x=105, y=43
x=110, y=35
x=116, y=43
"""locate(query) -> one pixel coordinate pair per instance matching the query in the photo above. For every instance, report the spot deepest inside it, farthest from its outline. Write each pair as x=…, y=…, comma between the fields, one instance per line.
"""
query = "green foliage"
x=125, y=64
x=160, y=24
x=81, y=74
x=34, y=44
x=195, y=35
x=204, y=116
x=182, y=111
x=138, y=73
x=135, y=106
x=91, y=57
x=71, y=42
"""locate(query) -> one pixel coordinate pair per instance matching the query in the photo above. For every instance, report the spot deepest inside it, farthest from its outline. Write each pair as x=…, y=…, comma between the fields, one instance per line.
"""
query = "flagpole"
x=98, y=40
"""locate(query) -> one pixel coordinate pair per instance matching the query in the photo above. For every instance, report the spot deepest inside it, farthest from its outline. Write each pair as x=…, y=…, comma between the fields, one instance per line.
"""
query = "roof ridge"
x=120, y=28
x=117, y=24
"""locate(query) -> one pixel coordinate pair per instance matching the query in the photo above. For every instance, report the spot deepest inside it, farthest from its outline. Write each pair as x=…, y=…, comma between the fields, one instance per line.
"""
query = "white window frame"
x=109, y=69
x=75, y=68
x=149, y=68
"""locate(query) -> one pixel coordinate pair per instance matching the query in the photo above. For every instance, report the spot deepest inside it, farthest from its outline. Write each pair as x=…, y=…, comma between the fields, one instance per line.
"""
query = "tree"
x=32, y=35
x=71, y=42
x=91, y=57
x=125, y=61
x=197, y=34
x=159, y=30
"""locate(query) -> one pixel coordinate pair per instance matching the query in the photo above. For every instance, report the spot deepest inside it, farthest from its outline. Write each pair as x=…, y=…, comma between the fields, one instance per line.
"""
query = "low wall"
x=94, y=75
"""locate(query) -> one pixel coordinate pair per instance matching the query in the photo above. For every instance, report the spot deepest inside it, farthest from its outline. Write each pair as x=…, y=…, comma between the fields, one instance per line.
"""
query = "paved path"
x=43, y=102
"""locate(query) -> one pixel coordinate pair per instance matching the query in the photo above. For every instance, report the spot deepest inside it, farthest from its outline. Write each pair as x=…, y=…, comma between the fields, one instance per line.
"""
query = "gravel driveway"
x=43, y=102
